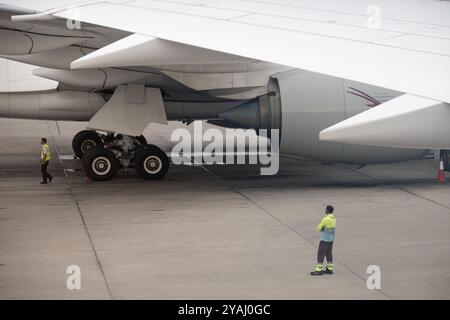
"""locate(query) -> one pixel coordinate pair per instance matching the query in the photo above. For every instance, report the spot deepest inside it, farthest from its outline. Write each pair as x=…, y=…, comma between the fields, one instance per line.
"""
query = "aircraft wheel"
x=152, y=163
x=85, y=140
x=100, y=164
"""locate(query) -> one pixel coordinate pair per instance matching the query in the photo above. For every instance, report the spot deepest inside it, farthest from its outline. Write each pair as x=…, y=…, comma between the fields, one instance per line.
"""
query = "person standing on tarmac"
x=327, y=228
x=46, y=156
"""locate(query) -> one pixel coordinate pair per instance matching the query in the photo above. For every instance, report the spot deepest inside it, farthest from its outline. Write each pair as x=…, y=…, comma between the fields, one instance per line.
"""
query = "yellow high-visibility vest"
x=327, y=228
x=47, y=155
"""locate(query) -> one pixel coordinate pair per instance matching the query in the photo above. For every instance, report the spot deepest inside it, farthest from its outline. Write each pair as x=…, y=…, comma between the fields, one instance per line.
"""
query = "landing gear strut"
x=102, y=160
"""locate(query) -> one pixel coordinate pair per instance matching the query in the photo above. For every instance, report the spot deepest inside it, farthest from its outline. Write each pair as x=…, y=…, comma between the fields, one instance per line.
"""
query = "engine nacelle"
x=311, y=102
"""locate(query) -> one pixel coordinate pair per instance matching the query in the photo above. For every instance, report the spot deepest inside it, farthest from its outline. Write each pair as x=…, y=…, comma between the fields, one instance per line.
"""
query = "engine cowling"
x=311, y=102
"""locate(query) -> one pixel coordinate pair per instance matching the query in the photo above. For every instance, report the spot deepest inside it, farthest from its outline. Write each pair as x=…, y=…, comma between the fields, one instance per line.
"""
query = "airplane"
x=352, y=81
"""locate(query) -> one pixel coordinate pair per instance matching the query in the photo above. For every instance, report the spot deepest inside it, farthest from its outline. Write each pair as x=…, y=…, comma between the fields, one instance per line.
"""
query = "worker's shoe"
x=328, y=271
x=316, y=273
x=50, y=179
x=329, y=268
x=43, y=182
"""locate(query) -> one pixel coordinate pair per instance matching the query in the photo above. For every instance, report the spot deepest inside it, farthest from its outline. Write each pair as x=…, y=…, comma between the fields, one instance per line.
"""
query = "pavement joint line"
x=288, y=227
x=402, y=189
x=424, y=198
x=69, y=185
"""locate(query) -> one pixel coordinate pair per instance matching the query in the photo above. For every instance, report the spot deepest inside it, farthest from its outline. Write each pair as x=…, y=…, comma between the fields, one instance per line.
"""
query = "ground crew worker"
x=46, y=156
x=327, y=229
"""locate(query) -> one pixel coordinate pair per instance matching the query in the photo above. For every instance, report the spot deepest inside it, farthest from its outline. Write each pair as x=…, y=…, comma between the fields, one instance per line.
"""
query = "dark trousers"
x=325, y=250
x=45, y=174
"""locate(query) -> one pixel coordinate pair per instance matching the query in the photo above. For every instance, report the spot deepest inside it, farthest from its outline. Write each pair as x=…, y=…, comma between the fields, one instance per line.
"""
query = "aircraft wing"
x=402, y=45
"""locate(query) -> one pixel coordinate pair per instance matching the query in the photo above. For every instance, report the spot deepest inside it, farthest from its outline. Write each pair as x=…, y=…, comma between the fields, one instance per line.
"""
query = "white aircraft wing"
x=402, y=45
x=398, y=44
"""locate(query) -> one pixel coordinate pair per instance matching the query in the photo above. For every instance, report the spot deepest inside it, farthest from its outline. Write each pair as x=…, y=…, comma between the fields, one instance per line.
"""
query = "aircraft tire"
x=152, y=163
x=85, y=140
x=100, y=164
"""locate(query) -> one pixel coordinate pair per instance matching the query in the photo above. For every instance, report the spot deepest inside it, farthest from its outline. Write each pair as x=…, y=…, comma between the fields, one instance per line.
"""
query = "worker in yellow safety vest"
x=46, y=156
x=327, y=228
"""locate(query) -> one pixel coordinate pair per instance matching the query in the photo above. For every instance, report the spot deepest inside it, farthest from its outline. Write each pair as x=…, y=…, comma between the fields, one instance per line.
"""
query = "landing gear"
x=152, y=163
x=123, y=152
x=85, y=140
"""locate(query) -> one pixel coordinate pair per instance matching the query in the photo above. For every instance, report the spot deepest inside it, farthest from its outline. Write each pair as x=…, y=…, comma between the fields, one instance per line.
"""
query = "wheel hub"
x=87, y=144
x=101, y=166
x=152, y=164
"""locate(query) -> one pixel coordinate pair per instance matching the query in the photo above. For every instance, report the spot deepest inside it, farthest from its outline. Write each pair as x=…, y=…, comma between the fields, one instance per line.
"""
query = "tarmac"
x=215, y=232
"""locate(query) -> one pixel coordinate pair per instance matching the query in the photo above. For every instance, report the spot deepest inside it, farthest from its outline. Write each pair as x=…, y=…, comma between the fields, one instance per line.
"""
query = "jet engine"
x=302, y=103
